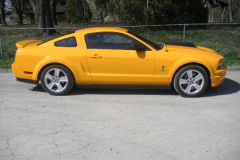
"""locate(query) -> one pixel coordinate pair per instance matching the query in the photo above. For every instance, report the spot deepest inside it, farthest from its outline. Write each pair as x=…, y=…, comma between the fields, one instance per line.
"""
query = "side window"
x=117, y=38
x=94, y=40
x=68, y=42
x=110, y=40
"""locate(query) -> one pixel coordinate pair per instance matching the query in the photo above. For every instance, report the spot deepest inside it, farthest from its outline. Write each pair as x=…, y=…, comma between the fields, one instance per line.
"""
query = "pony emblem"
x=163, y=68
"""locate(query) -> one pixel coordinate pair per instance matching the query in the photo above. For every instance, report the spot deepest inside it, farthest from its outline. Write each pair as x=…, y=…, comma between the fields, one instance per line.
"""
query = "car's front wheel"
x=191, y=81
x=57, y=80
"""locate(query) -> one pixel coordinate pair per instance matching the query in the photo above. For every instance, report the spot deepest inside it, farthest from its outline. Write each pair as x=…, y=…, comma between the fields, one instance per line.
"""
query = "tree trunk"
x=114, y=20
x=42, y=14
x=101, y=17
x=39, y=12
x=209, y=13
x=84, y=11
x=230, y=11
x=53, y=11
x=20, y=17
x=213, y=16
x=3, y=14
x=19, y=6
x=49, y=21
x=222, y=18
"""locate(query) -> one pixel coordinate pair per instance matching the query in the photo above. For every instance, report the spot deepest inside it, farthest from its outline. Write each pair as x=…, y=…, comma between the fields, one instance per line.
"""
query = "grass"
x=224, y=39
x=232, y=60
x=6, y=62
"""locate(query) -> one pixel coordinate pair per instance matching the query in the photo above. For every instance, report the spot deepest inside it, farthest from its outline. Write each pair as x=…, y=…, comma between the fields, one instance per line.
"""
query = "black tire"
x=57, y=80
x=191, y=81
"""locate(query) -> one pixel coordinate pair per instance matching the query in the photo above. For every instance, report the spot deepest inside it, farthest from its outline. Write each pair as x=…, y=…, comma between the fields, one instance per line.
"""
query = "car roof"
x=89, y=30
x=102, y=29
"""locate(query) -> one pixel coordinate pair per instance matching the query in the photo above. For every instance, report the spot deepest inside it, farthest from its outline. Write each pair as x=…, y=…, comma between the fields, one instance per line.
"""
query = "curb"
x=234, y=69
x=9, y=70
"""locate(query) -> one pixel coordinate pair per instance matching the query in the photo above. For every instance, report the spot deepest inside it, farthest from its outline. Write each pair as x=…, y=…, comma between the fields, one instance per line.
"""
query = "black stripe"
x=185, y=44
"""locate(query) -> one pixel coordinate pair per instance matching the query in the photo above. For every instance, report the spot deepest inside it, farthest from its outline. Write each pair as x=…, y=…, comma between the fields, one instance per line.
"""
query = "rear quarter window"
x=68, y=42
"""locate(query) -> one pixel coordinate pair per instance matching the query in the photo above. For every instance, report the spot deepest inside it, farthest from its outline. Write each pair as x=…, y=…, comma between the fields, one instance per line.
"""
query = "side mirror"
x=138, y=47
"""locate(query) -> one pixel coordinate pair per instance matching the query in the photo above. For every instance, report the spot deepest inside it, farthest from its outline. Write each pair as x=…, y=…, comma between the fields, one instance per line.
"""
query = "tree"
x=230, y=11
x=95, y=12
x=131, y=11
x=189, y=11
x=177, y=11
x=236, y=10
x=42, y=14
x=78, y=11
x=102, y=7
x=3, y=14
x=53, y=11
x=156, y=12
x=19, y=6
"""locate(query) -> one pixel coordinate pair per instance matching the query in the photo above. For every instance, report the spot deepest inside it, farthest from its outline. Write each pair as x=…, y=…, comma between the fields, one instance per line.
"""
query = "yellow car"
x=116, y=57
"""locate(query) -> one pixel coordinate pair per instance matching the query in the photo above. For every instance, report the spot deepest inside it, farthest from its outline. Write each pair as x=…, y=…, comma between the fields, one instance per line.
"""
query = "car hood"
x=190, y=48
x=184, y=44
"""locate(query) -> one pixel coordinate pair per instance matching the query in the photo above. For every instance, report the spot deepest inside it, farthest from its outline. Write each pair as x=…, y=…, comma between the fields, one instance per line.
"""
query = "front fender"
x=188, y=60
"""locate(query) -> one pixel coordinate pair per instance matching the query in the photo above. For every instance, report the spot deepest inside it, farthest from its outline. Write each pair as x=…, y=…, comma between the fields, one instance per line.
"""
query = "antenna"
x=166, y=48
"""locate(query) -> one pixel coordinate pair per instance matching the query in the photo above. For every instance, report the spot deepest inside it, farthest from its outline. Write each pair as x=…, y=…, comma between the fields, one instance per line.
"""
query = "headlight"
x=220, y=63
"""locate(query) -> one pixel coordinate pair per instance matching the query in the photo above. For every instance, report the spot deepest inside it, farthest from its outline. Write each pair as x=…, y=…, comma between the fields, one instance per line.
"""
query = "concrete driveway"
x=119, y=124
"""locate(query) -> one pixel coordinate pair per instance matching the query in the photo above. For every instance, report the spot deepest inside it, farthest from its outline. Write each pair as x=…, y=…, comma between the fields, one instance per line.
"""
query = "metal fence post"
x=184, y=32
x=1, y=44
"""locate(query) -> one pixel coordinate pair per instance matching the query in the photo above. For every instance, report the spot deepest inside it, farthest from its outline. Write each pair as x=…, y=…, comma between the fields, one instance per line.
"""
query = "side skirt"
x=119, y=86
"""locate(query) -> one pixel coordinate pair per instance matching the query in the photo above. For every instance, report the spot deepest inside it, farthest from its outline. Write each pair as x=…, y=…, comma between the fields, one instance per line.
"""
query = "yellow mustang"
x=109, y=56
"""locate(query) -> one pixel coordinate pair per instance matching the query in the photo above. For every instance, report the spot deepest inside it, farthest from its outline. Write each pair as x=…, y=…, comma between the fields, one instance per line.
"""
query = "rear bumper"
x=219, y=76
x=19, y=73
x=27, y=81
x=21, y=76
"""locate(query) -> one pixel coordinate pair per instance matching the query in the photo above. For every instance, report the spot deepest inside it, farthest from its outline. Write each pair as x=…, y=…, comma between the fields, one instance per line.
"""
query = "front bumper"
x=219, y=76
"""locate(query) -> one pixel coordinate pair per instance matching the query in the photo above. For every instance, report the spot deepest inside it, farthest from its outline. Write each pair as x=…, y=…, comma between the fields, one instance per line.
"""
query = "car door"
x=112, y=59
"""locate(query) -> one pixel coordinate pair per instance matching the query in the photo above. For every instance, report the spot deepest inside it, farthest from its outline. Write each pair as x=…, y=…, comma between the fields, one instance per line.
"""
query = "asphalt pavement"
x=119, y=124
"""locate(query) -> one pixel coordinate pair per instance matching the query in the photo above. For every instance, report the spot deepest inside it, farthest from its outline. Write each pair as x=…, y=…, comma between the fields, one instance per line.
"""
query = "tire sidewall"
x=181, y=71
x=69, y=75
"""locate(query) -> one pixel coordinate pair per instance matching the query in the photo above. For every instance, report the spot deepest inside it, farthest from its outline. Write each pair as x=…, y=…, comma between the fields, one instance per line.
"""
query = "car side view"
x=110, y=56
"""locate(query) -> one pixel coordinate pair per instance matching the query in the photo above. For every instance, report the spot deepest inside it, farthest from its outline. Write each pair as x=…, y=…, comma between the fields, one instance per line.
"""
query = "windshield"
x=150, y=43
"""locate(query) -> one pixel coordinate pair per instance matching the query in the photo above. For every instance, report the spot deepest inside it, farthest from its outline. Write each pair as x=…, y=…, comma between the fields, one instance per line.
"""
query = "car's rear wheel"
x=57, y=80
x=191, y=81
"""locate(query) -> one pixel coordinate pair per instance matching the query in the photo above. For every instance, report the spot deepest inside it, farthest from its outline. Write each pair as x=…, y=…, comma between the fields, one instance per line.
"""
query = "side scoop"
x=22, y=44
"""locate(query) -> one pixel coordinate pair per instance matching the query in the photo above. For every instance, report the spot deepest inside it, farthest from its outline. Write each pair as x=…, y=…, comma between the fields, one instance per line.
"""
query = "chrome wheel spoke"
x=57, y=71
x=189, y=73
x=49, y=76
x=50, y=85
x=63, y=79
x=198, y=87
x=183, y=81
x=59, y=87
x=198, y=77
x=188, y=89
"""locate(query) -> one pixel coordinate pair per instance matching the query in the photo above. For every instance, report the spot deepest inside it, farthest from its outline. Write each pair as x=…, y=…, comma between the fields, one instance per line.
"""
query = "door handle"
x=95, y=56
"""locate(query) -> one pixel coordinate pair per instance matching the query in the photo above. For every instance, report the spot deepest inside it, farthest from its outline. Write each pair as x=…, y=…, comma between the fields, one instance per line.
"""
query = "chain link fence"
x=222, y=37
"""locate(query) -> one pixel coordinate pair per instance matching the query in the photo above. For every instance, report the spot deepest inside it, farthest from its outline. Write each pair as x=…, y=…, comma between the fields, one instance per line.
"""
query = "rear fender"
x=55, y=59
